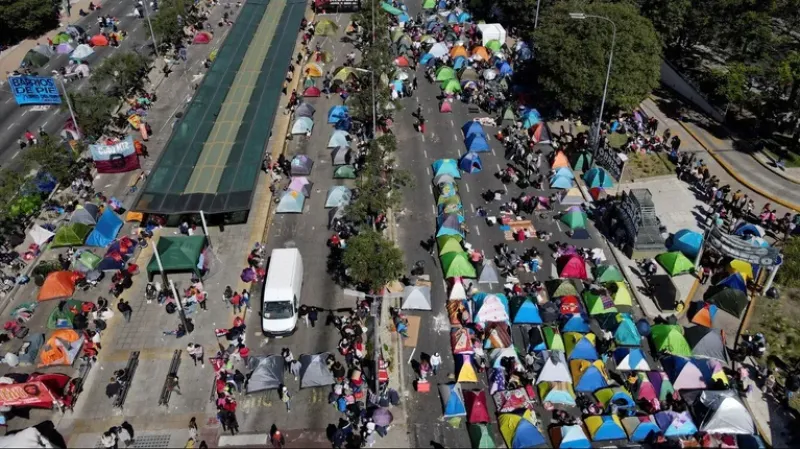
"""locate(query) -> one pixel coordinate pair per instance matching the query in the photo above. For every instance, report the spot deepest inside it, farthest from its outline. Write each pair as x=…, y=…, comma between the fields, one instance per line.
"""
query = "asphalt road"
x=15, y=120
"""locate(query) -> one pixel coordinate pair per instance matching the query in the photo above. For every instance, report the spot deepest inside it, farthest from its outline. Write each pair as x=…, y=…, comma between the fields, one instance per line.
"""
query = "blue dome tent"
x=598, y=177
x=580, y=347
x=446, y=167
x=477, y=144
x=560, y=182
x=564, y=172
x=524, y=311
x=505, y=69
x=640, y=428
x=106, y=229
x=576, y=323
x=687, y=241
x=339, y=139
x=735, y=281
x=630, y=359
x=459, y=62
x=472, y=127
x=337, y=113
x=470, y=163
x=590, y=379
x=746, y=229
x=452, y=18
x=626, y=333
x=426, y=58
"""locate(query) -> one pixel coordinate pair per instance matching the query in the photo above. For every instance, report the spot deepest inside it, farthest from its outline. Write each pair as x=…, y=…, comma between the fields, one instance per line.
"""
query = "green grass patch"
x=617, y=140
x=648, y=165
x=790, y=159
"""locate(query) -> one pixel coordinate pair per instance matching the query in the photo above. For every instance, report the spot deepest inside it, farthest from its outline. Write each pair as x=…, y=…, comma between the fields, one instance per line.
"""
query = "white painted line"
x=498, y=167
x=7, y=101
x=455, y=137
x=558, y=224
x=425, y=152
x=472, y=206
x=493, y=153
x=431, y=189
x=467, y=186
x=25, y=112
x=428, y=169
x=45, y=123
x=477, y=230
x=10, y=126
x=423, y=137
x=434, y=209
x=505, y=187
x=452, y=123
x=411, y=357
x=15, y=155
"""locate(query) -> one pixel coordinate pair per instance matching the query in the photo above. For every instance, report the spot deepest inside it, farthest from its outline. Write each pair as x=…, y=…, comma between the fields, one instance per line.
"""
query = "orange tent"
x=134, y=216
x=459, y=51
x=560, y=161
x=98, y=40
x=401, y=61
x=480, y=52
x=58, y=285
x=313, y=70
x=60, y=348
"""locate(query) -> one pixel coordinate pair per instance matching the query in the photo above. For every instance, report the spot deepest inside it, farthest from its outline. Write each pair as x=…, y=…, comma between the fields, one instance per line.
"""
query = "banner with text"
x=34, y=90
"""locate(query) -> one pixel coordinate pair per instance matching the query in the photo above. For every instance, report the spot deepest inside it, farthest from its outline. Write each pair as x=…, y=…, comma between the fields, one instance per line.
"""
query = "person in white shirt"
x=436, y=361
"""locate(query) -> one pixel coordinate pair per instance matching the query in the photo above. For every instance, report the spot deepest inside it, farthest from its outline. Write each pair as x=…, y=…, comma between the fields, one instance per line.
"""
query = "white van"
x=282, y=293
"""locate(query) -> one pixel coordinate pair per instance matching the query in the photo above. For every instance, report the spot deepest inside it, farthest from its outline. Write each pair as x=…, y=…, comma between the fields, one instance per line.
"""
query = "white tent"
x=438, y=50
x=721, y=412
x=416, y=298
x=488, y=273
x=40, y=235
x=82, y=51
x=457, y=291
x=571, y=197
x=555, y=368
x=492, y=31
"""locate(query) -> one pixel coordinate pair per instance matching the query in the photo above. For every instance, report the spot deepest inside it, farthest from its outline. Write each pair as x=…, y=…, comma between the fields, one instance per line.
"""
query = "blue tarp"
x=470, y=163
x=576, y=323
x=560, y=182
x=337, y=113
x=527, y=313
x=471, y=128
x=106, y=230
x=687, y=241
x=110, y=264
x=446, y=167
x=477, y=143
x=735, y=281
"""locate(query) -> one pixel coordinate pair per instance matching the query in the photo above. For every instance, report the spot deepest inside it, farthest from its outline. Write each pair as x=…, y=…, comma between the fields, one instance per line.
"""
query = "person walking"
x=286, y=398
x=227, y=295
x=126, y=434
x=436, y=361
x=125, y=309
x=201, y=300
x=246, y=299
x=294, y=368
x=236, y=301
x=276, y=437
x=312, y=316
x=195, y=351
x=173, y=384
x=193, y=428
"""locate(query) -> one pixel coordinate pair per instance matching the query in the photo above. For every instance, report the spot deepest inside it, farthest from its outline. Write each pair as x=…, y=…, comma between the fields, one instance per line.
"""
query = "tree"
x=572, y=56
x=11, y=183
x=169, y=20
x=93, y=111
x=372, y=260
x=789, y=273
x=380, y=185
x=669, y=19
x=51, y=157
x=735, y=83
x=23, y=19
x=126, y=71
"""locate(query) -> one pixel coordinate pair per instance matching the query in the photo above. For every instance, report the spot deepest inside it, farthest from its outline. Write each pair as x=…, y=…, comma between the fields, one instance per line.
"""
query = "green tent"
x=73, y=234
x=326, y=27
x=494, y=45
x=668, y=338
x=582, y=161
x=552, y=338
x=457, y=265
x=397, y=34
x=595, y=303
x=509, y=116
x=451, y=86
x=89, y=260
x=561, y=287
x=178, y=254
x=620, y=293
x=450, y=244
x=675, y=263
x=61, y=38
x=429, y=4
x=575, y=219
x=61, y=317
x=479, y=434
x=731, y=300
x=34, y=59
x=445, y=73
x=607, y=273
x=391, y=9
x=344, y=172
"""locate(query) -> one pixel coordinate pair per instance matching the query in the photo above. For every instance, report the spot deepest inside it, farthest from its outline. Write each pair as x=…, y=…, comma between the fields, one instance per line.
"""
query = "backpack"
x=341, y=404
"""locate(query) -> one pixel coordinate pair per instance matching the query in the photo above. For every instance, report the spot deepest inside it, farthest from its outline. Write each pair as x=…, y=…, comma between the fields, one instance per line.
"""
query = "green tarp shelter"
x=62, y=315
x=457, y=265
x=668, y=338
x=449, y=244
x=73, y=234
x=178, y=254
x=607, y=273
x=675, y=263
x=89, y=260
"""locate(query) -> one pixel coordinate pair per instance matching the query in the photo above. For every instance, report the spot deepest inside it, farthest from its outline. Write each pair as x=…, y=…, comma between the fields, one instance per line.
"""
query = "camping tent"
x=561, y=287
x=524, y=311
x=336, y=113
x=597, y=303
x=720, y=412
x=58, y=285
x=520, y=431
x=490, y=307
x=303, y=125
x=497, y=356
x=553, y=339
x=62, y=315
x=580, y=346
x=314, y=371
x=312, y=92
x=539, y=132
x=344, y=172
x=488, y=273
x=598, y=177
x=471, y=128
x=731, y=300
x=703, y=313
x=492, y=32
x=626, y=333
x=571, y=197
x=301, y=165
x=497, y=335
x=305, y=110
x=605, y=428
x=40, y=235
x=461, y=338
x=559, y=161
x=561, y=182
x=741, y=267
x=341, y=156
x=576, y=323
x=675, y=263
x=178, y=254
x=588, y=377
x=687, y=241
x=87, y=261
x=416, y=298
x=674, y=425
x=640, y=428
x=61, y=348
x=338, y=196
x=72, y=234
x=607, y=273
x=34, y=59
x=203, y=37
x=630, y=359
x=575, y=218
x=107, y=228
x=659, y=380
x=477, y=143
x=615, y=395
x=569, y=437
x=685, y=373
x=571, y=266
x=668, y=338
x=302, y=185
x=446, y=166
x=745, y=229
x=449, y=244
x=266, y=373
x=557, y=393
x=457, y=265
x=465, y=369
x=479, y=434
x=81, y=52
x=339, y=139
x=620, y=294
x=735, y=281
x=555, y=368
x=470, y=163
x=706, y=342
x=452, y=400
x=477, y=410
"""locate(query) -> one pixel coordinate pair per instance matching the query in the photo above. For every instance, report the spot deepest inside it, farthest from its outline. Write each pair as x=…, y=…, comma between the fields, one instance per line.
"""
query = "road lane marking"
x=428, y=169
x=493, y=153
x=452, y=123
x=431, y=189
x=425, y=152
x=477, y=230
x=558, y=225
x=472, y=206
x=423, y=137
x=498, y=167
x=505, y=187
x=467, y=186
x=434, y=209
x=25, y=112
x=9, y=99
x=45, y=123
x=455, y=137
x=10, y=126
x=15, y=155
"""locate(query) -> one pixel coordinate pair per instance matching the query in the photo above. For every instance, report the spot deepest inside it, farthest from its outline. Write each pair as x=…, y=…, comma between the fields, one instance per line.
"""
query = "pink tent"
x=202, y=37
x=571, y=266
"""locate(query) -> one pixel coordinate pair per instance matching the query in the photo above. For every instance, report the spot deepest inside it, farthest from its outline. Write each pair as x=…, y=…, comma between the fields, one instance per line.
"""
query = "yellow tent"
x=313, y=70
x=560, y=161
x=741, y=267
x=605, y=428
x=520, y=430
x=588, y=377
x=342, y=73
x=465, y=370
x=613, y=394
x=134, y=216
x=571, y=339
x=457, y=51
x=622, y=297
x=557, y=392
x=481, y=52
x=326, y=27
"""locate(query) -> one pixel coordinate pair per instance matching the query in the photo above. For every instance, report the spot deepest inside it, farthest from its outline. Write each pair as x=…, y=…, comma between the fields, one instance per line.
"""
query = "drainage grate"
x=145, y=441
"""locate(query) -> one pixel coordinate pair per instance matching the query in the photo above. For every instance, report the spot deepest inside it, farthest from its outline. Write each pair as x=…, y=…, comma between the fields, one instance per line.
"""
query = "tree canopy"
x=372, y=260
x=125, y=72
x=92, y=110
x=52, y=157
x=572, y=55
x=169, y=20
x=23, y=19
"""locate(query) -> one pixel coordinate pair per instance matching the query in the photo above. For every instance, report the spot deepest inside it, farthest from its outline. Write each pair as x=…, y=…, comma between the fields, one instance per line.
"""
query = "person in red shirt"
x=236, y=301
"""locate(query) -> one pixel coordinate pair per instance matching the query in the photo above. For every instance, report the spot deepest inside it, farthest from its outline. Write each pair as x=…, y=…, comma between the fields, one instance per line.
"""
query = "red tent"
x=477, y=411
x=539, y=133
x=401, y=61
x=40, y=391
x=202, y=37
x=98, y=40
x=571, y=266
x=596, y=192
x=445, y=107
x=570, y=305
x=312, y=91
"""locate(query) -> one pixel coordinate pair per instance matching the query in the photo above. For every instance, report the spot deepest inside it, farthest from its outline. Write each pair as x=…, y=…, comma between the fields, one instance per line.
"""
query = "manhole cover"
x=145, y=441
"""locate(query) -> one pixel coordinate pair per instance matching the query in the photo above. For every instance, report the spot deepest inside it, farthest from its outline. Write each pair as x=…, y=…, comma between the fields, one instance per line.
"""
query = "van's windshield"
x=278, y=310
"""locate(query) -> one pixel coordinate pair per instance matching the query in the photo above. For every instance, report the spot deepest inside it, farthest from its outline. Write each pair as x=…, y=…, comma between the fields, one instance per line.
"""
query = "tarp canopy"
x=40, y=235
x=706, y=342
x=416, y=298
x=720, y=412
x=106, y=231
x=675, y=263
x=338, y=196
x=58, y=285
x=266, y=373
x=86, y=214
x=669, y=339
x=556, y=393
x=520, y=431
x=178, y=254
x=731, y=300
x=630, y=359
x=452, y=400
x=314, y=371
x=569, y=437
x=555, y=368
x=687, y=241
x=605, y=428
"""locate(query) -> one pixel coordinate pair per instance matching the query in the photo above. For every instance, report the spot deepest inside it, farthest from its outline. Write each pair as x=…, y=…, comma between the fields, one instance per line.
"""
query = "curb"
x=757, y=156
x=737, y=176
